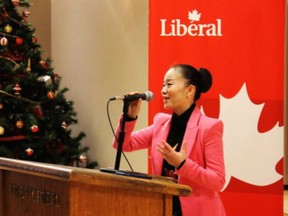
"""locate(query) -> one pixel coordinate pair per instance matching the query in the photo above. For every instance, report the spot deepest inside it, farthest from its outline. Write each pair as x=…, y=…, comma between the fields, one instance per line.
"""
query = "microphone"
x=148, y=96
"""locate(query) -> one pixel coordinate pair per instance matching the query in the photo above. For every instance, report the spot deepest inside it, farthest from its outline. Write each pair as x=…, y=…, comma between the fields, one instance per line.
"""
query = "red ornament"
x=37, y=110
x=15, y=2
x=34, y=128
x=3, y=41
x=19, y=41
x=34, y=40
x=50, y=95
x=29, y=151
x=17, y=89
x=64, y=125
x=43, y=64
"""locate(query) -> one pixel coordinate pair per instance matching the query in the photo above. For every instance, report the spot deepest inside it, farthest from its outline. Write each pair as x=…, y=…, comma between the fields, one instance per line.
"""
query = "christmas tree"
x=34, y=113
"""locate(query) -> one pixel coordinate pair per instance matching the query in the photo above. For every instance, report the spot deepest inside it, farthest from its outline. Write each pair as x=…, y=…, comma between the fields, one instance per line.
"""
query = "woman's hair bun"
x=206, y=80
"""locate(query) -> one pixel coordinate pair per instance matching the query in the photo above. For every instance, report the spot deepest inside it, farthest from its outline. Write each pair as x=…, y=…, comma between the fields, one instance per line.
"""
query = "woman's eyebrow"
x=168, y=80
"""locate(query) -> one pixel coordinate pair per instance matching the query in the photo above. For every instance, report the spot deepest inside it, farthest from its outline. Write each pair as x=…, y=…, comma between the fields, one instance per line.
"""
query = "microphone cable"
x=114, y=134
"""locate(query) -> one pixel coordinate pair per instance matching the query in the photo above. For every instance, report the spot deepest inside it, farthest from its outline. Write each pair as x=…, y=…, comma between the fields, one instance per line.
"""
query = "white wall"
x=100, y=48
x=40, y=19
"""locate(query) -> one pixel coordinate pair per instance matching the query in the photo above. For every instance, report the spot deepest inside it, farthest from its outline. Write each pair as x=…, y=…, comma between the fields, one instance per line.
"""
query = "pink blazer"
x=204, y=169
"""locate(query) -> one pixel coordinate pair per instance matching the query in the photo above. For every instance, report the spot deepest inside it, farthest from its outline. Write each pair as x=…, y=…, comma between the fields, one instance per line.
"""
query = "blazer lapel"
x=189, y=136
x=192, y=129
x=158, y=159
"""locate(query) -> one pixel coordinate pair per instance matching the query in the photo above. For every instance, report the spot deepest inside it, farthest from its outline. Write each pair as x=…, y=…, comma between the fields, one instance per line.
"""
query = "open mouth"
x=165, y=99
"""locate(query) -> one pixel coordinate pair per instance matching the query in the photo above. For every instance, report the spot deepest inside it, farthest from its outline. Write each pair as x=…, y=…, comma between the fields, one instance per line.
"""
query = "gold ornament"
x=28, y=69
x=2, y=130
x=8, y=28
x=19, y=124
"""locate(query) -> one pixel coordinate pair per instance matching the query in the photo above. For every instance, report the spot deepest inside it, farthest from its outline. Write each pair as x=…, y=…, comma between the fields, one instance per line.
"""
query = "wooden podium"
x=34, y=189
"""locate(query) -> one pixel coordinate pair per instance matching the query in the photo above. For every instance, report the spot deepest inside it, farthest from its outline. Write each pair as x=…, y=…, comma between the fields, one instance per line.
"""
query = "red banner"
x=242, y=44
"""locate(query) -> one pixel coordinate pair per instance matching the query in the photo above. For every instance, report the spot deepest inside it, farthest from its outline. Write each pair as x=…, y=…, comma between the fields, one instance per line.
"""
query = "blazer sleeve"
x=209, y=172
x=134, y=140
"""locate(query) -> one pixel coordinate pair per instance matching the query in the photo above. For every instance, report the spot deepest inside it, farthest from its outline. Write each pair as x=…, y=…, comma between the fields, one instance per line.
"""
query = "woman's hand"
x=171, y=155
x=134, y=107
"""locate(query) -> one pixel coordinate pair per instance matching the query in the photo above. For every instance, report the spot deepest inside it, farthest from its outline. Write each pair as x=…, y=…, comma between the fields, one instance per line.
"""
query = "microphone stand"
x=119, y=150
x=121, y=135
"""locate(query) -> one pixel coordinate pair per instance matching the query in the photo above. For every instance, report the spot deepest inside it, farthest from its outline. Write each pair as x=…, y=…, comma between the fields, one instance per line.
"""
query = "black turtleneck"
x=175, y=136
